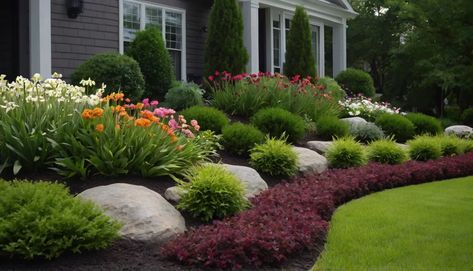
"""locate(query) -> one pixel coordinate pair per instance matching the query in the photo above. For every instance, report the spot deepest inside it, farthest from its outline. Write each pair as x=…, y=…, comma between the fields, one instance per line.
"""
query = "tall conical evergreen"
x=299, y=57
x=225, y=50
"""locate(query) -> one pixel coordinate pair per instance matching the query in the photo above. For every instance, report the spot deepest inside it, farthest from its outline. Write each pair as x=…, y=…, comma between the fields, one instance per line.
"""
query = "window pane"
x=176, y=61
x=173, y=30
x=276, y=47
x=154, y=17
x=131, y=20
x=314, y=45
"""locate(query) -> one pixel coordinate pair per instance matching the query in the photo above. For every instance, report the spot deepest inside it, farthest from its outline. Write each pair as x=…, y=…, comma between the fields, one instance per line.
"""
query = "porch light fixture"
x=74, y=8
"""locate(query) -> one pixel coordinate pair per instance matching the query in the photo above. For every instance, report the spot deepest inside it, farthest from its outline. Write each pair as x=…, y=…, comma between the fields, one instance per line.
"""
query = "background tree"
x=225, y=50
x=299, y=57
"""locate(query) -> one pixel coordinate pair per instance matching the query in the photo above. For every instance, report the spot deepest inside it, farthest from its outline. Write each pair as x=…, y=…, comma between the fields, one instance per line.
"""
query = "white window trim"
x=164, y=8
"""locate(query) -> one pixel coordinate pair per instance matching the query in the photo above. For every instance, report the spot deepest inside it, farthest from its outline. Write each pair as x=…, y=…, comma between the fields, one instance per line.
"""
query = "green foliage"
x=467, y=145
x=246, y=97
x=239, y=138
x=209, y=118
x=450, y=145
x=452, y=112
x=299, y=57
x=328, y=127
x=424, y=148
x=467, y=117
x=425, y=124
x=346, y=153
x=447, y=122
x=355, y=81
x=275, y=158
x=42, y=220
x=224, y=49
x=184, y=95
x=396, y=126
x=119, y=72
x=212, y=192
x=386, y=151
x=148, y=48
x=278, y=122
x=366, y=132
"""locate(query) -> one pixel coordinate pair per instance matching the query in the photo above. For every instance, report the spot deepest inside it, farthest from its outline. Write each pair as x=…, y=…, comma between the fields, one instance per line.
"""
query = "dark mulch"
x=131, y=255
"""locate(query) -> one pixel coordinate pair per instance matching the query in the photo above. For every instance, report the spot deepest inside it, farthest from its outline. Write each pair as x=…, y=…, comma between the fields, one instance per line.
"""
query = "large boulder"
x=250, y=178
x=459, y=130
x=310, y=161
x=319, y=146
x=354, y=120
x=145, y=215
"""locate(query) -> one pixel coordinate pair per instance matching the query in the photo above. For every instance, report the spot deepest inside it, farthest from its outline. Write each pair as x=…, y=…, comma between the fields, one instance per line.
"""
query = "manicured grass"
x=423, y=227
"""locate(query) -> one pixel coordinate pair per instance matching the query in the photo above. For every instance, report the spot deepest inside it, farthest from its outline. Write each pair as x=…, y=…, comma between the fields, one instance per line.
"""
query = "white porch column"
x=339, y=47
x=321, y=64
x=40, y=37
x=250, y=22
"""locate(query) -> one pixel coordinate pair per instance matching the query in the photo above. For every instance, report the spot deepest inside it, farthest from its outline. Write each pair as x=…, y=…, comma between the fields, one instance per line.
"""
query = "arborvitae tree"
x=299, y=57
x=149, y=50
x=225, y=50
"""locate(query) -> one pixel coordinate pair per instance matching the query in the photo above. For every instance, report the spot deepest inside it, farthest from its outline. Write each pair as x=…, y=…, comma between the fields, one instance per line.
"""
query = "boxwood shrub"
x=184, y=95
x=397, y=126
x=386, y=151
x=274, y=157
x=328, y=127
x=42, y=220
x=356, y=81
x=239, y=138
x=345, y=153
x=425, y=124
x=278, y=122
x=208, y=118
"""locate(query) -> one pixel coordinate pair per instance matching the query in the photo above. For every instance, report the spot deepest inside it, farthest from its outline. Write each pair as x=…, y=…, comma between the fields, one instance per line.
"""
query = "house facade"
x=48, y=35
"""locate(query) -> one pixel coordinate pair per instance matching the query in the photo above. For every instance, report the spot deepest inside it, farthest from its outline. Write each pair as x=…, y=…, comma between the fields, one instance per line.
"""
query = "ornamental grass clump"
x=274, y=157
x=329, y=127
x=425, y=124
x=451, y=145
x=209, y=118
x=386, y=151
x=43, y=221
x=240, y=138
x=424, y=148
x=278, y=122
x=397, y=126
x=212, y=192
x=346, y=153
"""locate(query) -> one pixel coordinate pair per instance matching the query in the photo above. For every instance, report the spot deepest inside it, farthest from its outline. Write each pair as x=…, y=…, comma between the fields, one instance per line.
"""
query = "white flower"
x=36, y=77
x=88, y=82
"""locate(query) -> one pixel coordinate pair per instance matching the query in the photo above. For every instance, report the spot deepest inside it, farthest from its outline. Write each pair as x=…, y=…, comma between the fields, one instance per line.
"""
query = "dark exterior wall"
x=9, y=41
x=96, y=30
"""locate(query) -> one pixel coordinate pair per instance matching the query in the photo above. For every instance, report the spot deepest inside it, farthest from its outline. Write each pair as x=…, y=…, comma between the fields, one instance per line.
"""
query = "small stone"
x=319, y=146
x=250, y=178
x=459, y=130
x=310, y=161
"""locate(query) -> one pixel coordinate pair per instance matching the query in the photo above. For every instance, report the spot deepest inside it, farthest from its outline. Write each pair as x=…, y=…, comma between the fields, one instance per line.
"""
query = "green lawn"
x=423, y=227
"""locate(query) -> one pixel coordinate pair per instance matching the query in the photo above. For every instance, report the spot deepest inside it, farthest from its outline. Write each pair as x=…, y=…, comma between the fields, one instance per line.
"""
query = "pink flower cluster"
x=182, y=126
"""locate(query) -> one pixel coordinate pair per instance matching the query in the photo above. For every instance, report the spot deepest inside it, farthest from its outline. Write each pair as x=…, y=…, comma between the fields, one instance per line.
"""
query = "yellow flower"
x=99, y=128
x=141, y=122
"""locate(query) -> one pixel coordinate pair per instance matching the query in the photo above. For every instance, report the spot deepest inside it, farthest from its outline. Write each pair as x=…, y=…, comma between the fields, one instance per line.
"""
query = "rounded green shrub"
x=332, y=87
x=346, y=153
x=208, y=118
x=119, y=72
x=328, y=127
x=424, y=148
x=239, y=138
x=356, y=81
x=386, y=151
x=149, y=50
x=42, y=221
x=425, y=124
x=184, y=95
x=397, y=126
x=450, y=145
x=467, y=117
x=274, y=157
x=366, y=132
x=278, y=122
x=212, y=192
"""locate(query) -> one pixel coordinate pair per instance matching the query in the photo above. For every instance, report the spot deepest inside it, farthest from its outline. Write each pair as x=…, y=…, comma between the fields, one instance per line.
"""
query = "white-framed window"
x=316, y=45
x=277, y=45
x=137, y=15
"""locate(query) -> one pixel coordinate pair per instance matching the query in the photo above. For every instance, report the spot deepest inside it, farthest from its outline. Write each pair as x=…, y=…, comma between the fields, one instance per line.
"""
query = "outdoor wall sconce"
x=74, y=8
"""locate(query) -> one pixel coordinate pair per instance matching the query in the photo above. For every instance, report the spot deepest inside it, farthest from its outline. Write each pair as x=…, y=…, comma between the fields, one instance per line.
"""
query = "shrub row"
x=294, y=216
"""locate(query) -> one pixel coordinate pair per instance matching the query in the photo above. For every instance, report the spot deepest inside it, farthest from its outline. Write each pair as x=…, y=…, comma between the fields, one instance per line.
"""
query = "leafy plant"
x=275, y=158
x=42, y=220
x=355, y=82
x=386, y=151
x=346, y=153
x=184, y=95
x=424, y=148
x=278, y=122
x=118, y=72
x=397, y=126
x=239, y=138
x=209, y=118
x=425, y=124
x=366, y=132
x=450, y=145
x=328, y=127
x=149, y=50
x=212, y=192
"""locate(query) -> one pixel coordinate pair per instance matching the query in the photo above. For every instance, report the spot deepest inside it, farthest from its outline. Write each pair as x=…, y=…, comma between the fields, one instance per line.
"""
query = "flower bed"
x=294, y=216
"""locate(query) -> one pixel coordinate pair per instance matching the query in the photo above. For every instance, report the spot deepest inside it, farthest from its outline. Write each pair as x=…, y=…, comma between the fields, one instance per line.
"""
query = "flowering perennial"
x=360, y=106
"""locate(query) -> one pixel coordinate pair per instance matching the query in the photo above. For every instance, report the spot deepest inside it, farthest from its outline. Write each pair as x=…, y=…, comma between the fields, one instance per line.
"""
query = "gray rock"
x=310, y=161
x=253, y=182
x=459, y=130
x=319, y=146
x=354, y=120
x=145, y=215
x=174, y=194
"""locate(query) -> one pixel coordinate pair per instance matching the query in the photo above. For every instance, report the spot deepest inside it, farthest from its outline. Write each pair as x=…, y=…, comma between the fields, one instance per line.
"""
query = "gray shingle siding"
x=96, y=30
